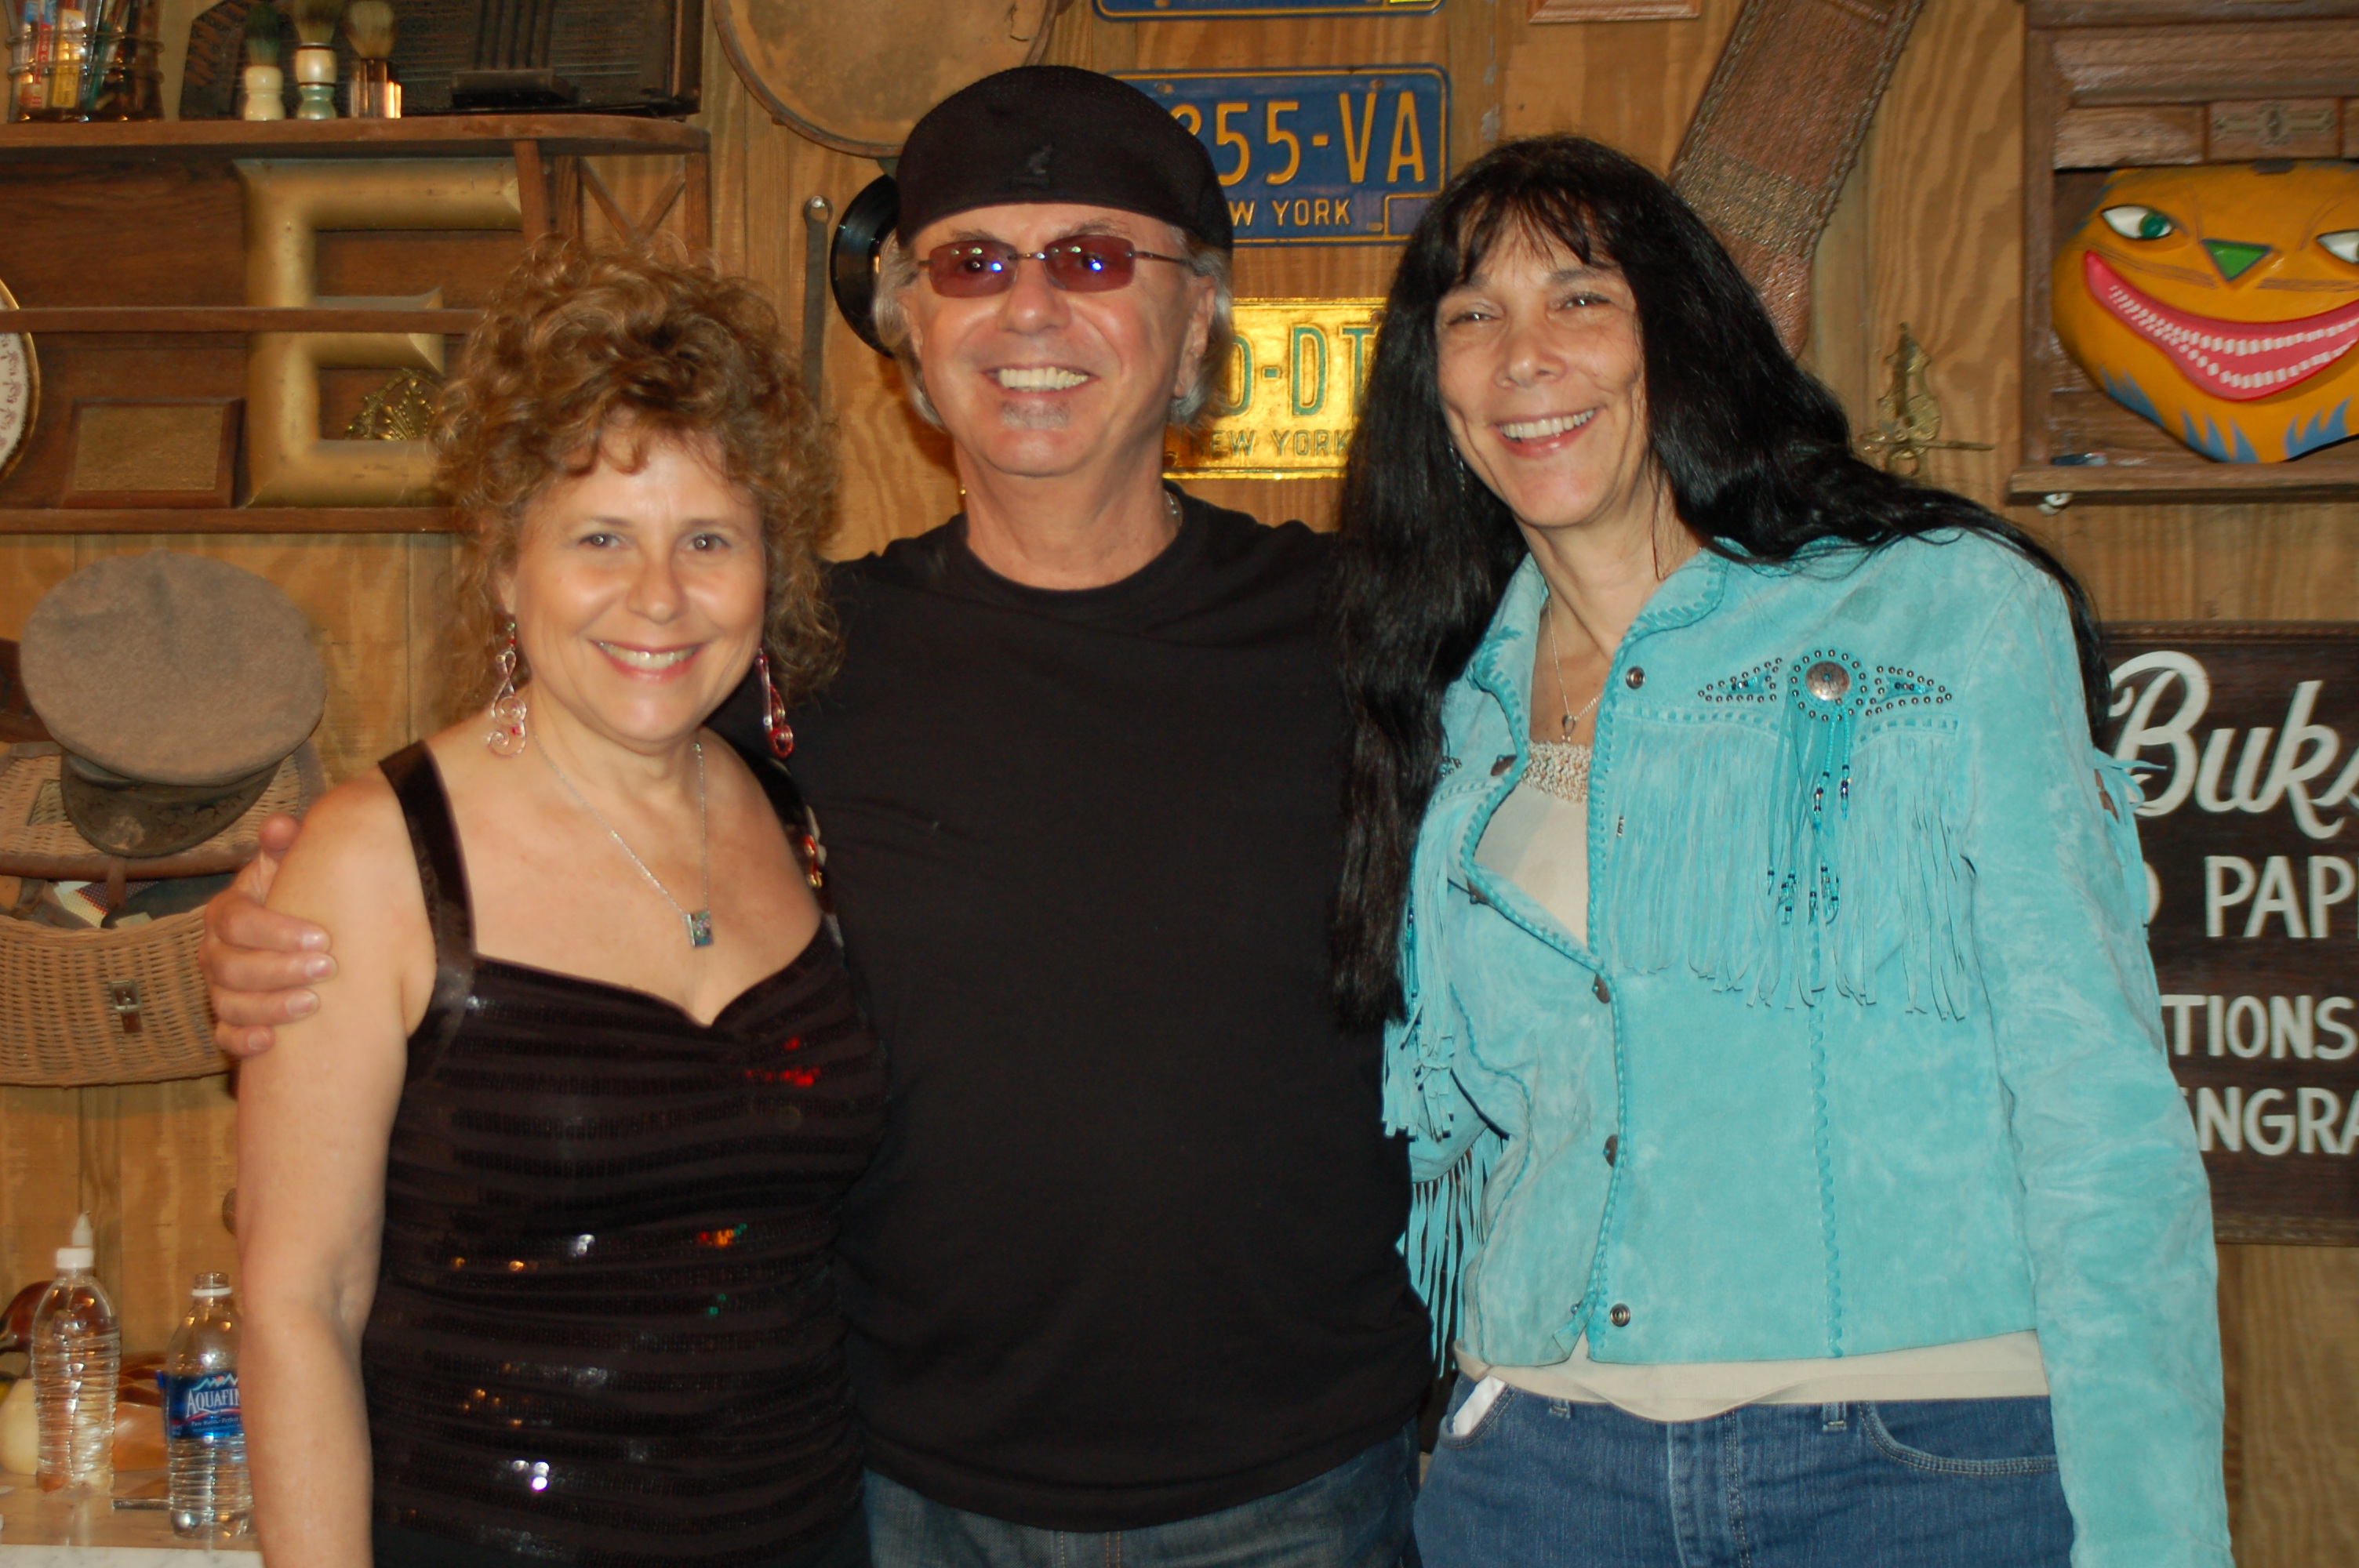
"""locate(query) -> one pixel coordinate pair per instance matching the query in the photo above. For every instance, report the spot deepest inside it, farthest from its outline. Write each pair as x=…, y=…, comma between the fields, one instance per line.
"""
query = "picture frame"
x=163, y=452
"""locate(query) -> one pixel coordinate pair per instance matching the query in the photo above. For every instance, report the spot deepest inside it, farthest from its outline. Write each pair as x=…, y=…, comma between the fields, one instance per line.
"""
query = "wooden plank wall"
x=1928, y=232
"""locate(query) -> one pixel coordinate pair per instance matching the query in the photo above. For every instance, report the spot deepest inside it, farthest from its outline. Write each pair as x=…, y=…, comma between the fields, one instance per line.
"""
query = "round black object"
x=852, y=259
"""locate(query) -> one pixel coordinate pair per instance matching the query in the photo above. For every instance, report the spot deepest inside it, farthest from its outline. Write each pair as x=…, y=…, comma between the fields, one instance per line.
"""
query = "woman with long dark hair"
x=1759, y=936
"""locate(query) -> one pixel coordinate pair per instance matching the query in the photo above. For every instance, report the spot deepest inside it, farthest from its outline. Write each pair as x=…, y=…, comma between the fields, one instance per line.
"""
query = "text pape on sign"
x=2250, y=741
x=1291, y=394
x=1317, y=158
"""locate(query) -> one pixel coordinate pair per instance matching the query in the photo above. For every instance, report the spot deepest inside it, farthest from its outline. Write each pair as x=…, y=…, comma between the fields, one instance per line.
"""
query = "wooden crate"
x=2117, y=83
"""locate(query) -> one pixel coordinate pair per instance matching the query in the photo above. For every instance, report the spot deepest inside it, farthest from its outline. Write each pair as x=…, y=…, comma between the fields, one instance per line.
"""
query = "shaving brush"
x=315, y=58
x=373, y=95
x=265, y=84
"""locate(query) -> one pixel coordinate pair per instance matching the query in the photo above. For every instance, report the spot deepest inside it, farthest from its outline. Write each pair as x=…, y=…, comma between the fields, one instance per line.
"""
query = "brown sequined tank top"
x=604, y=1330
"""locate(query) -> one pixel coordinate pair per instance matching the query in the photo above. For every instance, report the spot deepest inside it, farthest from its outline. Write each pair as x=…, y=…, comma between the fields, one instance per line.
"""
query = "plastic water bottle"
x=204, y=1431
x=76, y=1351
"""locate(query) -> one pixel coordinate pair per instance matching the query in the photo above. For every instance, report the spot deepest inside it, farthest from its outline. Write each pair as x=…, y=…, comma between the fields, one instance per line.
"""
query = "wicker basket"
x=110, y=1007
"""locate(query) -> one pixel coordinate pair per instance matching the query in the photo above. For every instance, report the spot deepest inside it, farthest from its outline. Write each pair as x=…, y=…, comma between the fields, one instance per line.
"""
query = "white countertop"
x=51, y=1529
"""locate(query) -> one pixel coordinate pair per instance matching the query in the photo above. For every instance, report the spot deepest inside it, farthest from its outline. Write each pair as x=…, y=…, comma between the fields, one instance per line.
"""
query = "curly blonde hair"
x=584, y=344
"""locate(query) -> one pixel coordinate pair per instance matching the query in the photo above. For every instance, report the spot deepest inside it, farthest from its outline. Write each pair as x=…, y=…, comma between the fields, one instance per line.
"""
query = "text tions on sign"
x=1289, y=393
x=1317, y=158
x=2250, y=738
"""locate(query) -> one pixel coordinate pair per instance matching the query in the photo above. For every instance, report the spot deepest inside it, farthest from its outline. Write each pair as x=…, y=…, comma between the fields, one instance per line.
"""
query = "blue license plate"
x=1149, y=10
x=1317, y=158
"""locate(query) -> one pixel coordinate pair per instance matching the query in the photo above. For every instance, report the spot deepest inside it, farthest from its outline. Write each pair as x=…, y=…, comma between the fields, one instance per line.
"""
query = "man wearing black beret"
x=1122, y=1283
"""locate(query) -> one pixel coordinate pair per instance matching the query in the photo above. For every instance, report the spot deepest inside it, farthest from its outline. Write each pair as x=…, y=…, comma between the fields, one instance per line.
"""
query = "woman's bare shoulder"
x=354, y=851
x=351, y=870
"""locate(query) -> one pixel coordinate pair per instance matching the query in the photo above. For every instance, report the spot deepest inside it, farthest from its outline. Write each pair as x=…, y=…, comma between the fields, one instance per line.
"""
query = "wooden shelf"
x=439, y=136
x=176, y=349
x=2221, y=483
x=231, y=319
x=227, y=520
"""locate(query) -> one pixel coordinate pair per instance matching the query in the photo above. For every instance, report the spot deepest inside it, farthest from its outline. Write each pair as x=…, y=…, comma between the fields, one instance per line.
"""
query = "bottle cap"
x=211, y=1286
x=82, y=1254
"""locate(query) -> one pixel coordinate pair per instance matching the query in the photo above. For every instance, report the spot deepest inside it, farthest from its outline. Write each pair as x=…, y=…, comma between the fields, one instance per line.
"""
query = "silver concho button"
x=1827, y=680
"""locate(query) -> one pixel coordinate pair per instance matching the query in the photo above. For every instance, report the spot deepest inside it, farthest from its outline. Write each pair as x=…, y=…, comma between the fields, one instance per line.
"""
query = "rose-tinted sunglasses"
x=1085, y=263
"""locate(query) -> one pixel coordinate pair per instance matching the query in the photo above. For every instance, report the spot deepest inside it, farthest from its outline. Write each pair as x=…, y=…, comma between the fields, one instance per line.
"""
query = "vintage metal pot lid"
x=855, y=78
x=20, y=390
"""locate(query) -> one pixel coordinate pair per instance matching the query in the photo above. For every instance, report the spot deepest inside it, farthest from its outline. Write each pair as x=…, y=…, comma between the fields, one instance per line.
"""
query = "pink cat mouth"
x=2239, y=360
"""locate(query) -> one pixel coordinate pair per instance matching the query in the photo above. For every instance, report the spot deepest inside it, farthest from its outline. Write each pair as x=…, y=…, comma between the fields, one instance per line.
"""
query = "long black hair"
x=1756, y=454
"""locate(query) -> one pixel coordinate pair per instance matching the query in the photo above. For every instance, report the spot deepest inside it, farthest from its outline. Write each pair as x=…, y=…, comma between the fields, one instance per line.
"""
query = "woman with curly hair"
x=535, y=1209
x=1800, y=1178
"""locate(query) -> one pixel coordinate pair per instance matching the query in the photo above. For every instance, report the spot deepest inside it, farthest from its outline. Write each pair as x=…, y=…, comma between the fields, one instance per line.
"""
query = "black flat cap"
x=1054, y=133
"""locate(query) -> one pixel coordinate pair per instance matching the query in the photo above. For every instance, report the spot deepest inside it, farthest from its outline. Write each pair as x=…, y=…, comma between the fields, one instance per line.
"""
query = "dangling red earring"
x=508, y=735
x=775, y=728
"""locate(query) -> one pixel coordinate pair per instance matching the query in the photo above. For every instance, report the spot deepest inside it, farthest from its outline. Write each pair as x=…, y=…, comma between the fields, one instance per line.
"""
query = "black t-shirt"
x=1127, y=1254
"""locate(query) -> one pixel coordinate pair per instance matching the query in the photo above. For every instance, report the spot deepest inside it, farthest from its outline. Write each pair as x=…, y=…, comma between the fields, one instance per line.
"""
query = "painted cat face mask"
x=2222, y=302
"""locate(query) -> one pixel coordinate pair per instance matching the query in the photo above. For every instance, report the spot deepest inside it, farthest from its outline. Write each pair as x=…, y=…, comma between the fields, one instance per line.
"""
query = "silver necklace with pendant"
x=698, y=921
x=1560, y=767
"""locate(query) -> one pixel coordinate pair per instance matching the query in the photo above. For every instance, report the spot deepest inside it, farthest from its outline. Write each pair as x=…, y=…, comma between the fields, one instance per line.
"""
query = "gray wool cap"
x=173, y=669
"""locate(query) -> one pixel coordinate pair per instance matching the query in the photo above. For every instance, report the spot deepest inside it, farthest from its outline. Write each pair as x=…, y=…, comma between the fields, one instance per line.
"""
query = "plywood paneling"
x=29, y=567
x=41, y=1181
x=1945, y=221
x=2288, y=1312
x=1634, y=85
x=174, y=1147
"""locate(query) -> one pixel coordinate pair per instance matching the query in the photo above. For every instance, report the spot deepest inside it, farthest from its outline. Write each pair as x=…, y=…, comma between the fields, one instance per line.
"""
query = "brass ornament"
x=1910, y=422
x=403, y=409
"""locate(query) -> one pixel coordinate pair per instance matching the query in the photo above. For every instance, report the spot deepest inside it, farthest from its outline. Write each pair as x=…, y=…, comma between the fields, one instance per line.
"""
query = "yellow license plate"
x=1289, y=394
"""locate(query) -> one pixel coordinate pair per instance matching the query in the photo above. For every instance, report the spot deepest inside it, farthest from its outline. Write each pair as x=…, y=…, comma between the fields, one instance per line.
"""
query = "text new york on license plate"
x=1317, y=158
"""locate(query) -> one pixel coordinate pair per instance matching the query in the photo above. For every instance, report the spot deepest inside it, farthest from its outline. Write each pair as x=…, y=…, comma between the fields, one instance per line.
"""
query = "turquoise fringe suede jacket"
x=1866, y=1011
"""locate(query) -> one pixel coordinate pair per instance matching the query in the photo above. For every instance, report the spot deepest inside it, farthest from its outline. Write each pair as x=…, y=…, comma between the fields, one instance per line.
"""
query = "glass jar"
x=66, y=63
x=45, y=70
x=129, y=85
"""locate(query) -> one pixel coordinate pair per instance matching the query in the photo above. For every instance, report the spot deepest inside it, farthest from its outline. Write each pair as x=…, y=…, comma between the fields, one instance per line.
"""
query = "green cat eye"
x=2135, y=222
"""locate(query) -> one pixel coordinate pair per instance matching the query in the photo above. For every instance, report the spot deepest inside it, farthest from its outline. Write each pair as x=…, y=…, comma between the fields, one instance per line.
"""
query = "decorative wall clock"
x=20, y=390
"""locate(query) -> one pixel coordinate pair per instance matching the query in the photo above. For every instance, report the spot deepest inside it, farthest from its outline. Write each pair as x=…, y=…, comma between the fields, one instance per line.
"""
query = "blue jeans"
x=1543, y=1483
x=1354, y=1516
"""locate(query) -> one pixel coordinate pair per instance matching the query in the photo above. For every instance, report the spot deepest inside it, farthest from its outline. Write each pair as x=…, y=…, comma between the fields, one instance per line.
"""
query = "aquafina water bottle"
x=204, y=1430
